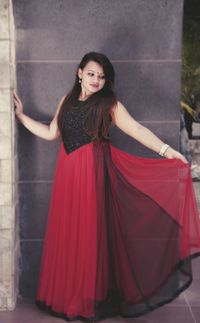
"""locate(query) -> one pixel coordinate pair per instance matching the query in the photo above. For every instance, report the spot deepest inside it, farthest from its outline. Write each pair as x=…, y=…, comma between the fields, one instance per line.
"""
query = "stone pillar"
x=8, y=200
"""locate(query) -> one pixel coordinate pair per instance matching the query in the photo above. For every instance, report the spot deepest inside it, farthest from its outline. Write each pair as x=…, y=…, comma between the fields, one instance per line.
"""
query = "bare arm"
x=130, y=126
x=48, y=132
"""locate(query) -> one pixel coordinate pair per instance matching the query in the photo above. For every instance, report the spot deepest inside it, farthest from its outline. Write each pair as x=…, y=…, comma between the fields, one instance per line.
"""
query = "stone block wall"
x=8, y=159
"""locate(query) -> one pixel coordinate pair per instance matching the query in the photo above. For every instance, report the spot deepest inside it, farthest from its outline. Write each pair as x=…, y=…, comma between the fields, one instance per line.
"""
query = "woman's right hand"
x=18, y=104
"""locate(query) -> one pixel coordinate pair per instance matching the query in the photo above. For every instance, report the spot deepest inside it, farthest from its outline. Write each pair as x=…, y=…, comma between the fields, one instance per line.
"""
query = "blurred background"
x=190, y=86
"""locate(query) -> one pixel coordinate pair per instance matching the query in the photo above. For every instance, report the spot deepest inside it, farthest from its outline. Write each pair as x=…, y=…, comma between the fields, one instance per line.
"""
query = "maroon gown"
x=122, y=230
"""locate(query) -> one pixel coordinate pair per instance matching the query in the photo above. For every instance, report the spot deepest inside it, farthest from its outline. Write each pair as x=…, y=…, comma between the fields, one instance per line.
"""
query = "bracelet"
x=163, y=149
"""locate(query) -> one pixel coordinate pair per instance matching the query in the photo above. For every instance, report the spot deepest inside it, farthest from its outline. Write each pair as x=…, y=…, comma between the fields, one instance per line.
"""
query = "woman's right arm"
x=48, y=132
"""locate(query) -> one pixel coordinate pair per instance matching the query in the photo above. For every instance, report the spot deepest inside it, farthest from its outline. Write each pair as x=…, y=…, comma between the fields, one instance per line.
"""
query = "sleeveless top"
x=73, y=134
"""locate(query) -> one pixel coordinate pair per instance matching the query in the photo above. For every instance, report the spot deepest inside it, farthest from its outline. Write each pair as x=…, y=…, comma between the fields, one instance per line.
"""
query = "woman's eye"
x=100, y=77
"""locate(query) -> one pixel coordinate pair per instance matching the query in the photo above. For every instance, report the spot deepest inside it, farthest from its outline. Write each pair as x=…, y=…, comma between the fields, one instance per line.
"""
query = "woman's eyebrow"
x=95, y=72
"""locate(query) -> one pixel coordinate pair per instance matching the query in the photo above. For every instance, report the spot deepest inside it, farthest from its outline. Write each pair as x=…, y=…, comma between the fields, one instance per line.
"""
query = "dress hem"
x=43, y=306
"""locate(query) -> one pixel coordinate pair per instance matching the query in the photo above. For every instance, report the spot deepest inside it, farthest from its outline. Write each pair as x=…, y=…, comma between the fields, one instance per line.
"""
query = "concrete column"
x=8, y=199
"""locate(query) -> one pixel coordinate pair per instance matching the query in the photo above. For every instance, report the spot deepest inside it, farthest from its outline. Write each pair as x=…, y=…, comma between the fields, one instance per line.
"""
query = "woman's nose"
x=96, y=78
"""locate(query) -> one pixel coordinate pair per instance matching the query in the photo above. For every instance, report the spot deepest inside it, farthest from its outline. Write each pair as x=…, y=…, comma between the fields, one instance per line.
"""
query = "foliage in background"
x=191, y=62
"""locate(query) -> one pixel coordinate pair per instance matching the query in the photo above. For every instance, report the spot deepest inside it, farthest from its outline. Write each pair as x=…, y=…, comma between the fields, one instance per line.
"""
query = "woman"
x=121, y=229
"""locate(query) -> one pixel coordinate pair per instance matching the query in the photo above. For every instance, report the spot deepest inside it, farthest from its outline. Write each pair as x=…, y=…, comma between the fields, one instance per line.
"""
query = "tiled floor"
x=185, y=309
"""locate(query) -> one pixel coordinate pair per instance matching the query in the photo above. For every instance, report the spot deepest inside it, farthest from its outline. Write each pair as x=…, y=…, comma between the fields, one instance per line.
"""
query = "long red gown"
x=121, y=232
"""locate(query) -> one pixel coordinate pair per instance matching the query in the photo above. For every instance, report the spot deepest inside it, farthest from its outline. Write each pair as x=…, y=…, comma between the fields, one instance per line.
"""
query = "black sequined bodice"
x=73, y=133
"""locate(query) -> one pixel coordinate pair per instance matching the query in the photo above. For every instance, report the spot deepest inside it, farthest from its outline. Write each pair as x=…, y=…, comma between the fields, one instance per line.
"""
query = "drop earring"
x=79, y=80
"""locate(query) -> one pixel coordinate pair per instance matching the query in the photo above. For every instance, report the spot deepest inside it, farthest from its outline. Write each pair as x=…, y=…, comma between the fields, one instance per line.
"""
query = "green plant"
x=191, y=61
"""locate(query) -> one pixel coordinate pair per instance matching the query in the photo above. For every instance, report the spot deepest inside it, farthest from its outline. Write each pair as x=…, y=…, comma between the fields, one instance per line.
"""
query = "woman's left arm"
x=122, y=119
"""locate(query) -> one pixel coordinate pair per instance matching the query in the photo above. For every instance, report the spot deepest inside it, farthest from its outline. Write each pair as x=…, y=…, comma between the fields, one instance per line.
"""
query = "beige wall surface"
x=8, y=197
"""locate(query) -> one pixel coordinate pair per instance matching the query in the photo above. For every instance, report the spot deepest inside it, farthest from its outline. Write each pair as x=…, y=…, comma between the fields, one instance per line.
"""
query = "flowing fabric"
x=121, y=234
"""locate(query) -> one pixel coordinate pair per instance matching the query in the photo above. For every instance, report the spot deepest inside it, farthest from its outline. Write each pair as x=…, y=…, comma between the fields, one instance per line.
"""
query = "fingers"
x=17, y=100
x=176, y=154
x=182, y=158
x=17, y=103
x=16, y=96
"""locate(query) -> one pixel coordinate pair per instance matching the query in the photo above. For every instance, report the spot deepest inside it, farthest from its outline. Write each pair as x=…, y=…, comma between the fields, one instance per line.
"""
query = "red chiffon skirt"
x=121, y=233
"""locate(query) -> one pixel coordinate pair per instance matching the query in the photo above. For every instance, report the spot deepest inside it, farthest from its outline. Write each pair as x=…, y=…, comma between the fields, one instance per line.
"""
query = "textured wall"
x=8, y=198
x=143, y=40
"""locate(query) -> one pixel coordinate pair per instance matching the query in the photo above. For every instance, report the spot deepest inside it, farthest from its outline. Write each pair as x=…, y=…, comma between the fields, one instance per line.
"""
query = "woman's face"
x=92, y=78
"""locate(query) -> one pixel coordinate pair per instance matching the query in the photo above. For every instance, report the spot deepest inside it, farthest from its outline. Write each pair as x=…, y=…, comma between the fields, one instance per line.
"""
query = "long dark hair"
x=99, y=104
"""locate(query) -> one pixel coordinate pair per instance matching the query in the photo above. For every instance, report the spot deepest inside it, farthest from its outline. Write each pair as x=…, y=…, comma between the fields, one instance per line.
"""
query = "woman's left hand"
x=172, y=153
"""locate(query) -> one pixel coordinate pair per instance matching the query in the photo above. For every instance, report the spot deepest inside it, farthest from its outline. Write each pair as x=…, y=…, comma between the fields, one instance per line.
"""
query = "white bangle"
x=163, y=149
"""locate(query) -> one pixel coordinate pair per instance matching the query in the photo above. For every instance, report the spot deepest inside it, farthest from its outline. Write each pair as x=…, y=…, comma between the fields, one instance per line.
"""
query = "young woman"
x=122, y=229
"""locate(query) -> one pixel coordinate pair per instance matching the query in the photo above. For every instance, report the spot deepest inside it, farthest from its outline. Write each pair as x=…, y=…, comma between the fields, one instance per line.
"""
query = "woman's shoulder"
x=62, y=100
x=118, y=106
x=59, y=105
x=119, y=111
